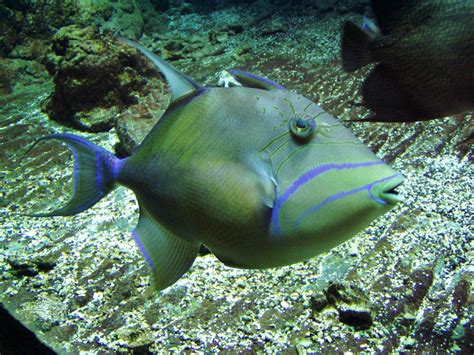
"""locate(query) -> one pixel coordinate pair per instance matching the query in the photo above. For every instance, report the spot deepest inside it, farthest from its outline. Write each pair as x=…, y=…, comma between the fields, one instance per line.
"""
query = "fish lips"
x=387, y=190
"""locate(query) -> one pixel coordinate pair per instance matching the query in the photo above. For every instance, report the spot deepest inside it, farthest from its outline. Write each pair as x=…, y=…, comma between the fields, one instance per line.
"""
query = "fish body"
x=424, y=52
x=227, y=185
x=260, y=175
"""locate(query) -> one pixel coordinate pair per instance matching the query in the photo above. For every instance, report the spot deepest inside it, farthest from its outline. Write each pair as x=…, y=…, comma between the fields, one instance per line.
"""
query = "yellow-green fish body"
x=260, y=175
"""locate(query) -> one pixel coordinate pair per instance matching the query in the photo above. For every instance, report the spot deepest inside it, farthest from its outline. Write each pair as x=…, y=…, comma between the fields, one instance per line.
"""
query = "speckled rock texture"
x=25, y=20
x=402, y=285
x=95, y=78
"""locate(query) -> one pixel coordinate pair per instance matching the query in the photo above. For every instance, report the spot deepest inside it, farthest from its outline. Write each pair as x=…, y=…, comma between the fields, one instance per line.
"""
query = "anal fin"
x=167, y=255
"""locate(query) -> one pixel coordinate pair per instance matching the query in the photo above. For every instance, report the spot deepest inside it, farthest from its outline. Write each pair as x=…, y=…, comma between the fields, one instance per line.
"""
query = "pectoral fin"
x=261, y=166
x=254, y=81
x=233, y=192
x=167, y=255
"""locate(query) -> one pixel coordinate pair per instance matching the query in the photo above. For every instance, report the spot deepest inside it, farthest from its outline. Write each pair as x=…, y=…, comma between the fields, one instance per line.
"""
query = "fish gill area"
x=79, y=284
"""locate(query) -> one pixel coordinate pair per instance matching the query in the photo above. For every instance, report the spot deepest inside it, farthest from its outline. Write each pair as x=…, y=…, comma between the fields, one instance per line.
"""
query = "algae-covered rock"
x=10, y=27
x=125, y=17
x=222, y=34
x=135, y=121
x=194, y=47
x=95, y=78
x=6, y=82
x=22, y=21
x=33, y=49
x=18, y=73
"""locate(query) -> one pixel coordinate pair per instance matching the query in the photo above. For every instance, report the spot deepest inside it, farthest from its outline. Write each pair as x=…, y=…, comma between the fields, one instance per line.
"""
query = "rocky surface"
x=96, y=78
x=404, y=284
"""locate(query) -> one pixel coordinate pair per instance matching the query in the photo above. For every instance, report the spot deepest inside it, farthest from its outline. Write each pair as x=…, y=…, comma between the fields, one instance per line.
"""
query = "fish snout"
x=388, y=192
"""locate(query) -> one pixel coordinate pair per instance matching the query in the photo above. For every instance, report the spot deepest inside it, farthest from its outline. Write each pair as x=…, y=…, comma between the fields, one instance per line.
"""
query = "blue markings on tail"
x=95, y=172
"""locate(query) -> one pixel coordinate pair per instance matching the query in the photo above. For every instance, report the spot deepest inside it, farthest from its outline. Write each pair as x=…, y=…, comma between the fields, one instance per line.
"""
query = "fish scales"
x=262, y=176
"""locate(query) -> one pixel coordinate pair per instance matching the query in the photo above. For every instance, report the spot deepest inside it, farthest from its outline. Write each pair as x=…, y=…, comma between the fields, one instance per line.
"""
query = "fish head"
x=330, y=184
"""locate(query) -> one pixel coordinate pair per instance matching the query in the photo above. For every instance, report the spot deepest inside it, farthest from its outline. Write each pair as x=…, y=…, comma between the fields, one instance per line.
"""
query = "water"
x=79, y=282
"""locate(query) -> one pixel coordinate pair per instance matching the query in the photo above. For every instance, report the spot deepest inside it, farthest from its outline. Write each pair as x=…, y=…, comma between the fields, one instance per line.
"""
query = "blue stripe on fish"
x=142, y=249
x=98, y=175
x=116, y=166
x=340, y=195
x=305, y=178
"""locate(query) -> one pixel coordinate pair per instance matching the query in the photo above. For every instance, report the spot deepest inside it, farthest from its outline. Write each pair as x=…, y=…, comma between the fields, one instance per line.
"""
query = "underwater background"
x=79, y=284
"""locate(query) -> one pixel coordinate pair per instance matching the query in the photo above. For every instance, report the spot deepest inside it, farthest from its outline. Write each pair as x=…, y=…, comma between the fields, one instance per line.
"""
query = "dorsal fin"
x=180, y=84
x=254, y=81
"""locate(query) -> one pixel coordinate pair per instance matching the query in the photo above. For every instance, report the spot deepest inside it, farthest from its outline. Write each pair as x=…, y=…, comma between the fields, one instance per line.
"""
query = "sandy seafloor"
x=80, y=284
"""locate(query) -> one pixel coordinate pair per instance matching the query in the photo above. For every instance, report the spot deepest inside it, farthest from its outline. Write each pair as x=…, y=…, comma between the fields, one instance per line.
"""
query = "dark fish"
x=425, y=51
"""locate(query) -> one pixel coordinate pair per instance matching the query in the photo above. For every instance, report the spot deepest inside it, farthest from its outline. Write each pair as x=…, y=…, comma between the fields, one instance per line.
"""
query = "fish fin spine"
x=95, y=172
x=355, y=46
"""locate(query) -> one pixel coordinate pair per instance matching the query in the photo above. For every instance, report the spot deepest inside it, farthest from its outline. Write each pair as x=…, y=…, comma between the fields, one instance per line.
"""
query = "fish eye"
x=301, y=128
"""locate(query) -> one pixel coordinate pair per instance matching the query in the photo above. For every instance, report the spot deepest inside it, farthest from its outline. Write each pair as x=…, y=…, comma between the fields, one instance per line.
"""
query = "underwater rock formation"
x=95, y=78
x=17, y=73
x=22, y=21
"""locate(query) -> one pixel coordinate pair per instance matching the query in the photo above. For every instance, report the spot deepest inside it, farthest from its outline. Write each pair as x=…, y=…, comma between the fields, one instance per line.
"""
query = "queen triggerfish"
x=261, y=176
x=424, y=50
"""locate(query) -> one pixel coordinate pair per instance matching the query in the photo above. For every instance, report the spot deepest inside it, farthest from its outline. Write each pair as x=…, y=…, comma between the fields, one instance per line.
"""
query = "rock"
x=126, y=18
x=222, y=34
x=6, y=82
x=20, y=269
x=193, y=47
x=216, y=37
x=243, y=52
x=339, y=292
x=360, y=319
x=136, y=337
x=18, y=73
x=351, y=303
x=95, y=78
x=35, y=49
x=135, y=121
x=10, y=27
x=22, y=266
x=276, y=25
x=27, y=20
x=318, y=302
x=17, y=338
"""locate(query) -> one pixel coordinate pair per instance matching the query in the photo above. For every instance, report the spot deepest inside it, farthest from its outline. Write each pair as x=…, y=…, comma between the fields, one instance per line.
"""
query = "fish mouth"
x=388, y=190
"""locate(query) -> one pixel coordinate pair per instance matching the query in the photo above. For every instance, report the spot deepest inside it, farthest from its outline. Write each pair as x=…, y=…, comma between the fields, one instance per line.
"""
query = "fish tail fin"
x=95, y=173
x=355, y=47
